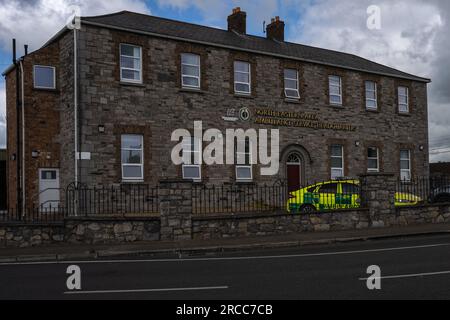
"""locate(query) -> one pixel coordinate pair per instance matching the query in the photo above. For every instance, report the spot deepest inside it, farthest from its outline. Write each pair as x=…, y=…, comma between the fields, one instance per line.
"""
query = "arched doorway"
x=294, y=171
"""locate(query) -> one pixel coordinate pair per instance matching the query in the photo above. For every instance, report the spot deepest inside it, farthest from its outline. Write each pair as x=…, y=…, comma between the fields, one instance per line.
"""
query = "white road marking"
x=147, y=290
x=414, y=275
x=232, y=258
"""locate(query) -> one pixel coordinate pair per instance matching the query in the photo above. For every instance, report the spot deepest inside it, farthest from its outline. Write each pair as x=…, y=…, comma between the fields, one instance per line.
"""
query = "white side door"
x=48, y=189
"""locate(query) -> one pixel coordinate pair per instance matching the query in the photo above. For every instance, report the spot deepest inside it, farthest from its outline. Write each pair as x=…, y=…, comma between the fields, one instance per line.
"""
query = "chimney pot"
x=237, y=21
x=275, y=30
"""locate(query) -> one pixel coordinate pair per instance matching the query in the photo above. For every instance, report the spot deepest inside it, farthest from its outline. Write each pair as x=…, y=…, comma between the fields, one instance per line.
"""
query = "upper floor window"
x=44, y=77
x=373, y=159
x=132, y=157
x=190, y=70
x=337, y=161
x=403, y=99
x=335, y=89
x=405, y=165
x=130, y=63
x=291, y=88
x=192, y=157
x=244, y=170
x=371, y=95
x=242, y=77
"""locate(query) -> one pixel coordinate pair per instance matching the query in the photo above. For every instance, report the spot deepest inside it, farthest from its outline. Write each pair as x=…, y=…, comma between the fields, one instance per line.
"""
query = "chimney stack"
x=237, y=21
x=275, y=30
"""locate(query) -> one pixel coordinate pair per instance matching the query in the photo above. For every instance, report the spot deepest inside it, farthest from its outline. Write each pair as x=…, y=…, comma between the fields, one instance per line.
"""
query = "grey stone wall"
x=378, y=193
x=81, y=231
x=176, y=210
x=264, y=225
x=222, y=227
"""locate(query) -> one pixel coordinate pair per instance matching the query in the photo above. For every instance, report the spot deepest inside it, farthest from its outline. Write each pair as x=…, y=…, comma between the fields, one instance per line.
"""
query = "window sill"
x=292, y=100
x=46, y=90
x=245, y=182
x=337, y=106
x=243, y=95
x=372, y=110
x=132, y=182
x=191, y=90
x=404, y=114
x=132, y=84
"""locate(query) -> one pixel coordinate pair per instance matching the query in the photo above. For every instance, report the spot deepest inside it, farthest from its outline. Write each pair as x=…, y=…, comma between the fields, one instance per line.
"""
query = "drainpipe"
x=23, y=137
x=75, y=102
x=18, y=180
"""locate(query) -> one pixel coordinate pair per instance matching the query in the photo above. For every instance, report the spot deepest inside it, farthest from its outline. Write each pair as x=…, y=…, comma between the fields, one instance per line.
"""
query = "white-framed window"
x=44, y=77
x=405, y=165
x=242, y=77
x=335, y=89
x=243, y=160
x=373, y=159
x=403, y=99
x=192, y=168
x=291, y=87
x=337, y=161
x=130, y=63
x=190, y=70
x=132, y=149
x=371, y=95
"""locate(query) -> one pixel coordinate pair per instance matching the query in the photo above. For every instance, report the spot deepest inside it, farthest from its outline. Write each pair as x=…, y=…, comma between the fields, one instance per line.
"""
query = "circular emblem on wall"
x=244, y=114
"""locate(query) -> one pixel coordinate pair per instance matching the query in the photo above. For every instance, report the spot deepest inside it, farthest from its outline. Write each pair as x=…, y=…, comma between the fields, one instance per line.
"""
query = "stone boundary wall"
x=81, y=231
x=117, y=231
x=220, y=227
x=245, y=225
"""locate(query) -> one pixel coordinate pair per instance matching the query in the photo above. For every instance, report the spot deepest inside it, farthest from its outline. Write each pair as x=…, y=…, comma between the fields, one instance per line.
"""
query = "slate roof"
x=157, y=26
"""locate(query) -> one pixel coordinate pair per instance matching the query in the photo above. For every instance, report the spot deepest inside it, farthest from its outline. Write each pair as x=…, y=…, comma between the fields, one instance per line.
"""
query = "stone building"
x=113, y=91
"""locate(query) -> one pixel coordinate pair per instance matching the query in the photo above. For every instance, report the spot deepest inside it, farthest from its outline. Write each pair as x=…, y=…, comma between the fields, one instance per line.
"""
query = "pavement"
x=199, y=247
x=408, y=268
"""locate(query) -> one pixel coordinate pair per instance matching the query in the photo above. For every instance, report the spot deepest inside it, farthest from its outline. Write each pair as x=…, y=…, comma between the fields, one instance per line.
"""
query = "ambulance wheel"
x=307, y=208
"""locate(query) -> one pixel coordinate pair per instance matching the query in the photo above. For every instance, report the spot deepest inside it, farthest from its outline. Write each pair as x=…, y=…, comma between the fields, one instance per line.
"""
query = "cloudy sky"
x=414, y=35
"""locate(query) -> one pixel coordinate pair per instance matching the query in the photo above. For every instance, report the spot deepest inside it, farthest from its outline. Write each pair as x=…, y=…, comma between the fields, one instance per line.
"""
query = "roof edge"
x=97, y=24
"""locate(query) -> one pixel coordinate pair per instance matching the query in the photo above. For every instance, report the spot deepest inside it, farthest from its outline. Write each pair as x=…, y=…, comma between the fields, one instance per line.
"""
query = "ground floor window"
x=132, y=157
x=373, y=159
x=405, y=165
x=337, y=161
x=243, y=161
x=192, y=154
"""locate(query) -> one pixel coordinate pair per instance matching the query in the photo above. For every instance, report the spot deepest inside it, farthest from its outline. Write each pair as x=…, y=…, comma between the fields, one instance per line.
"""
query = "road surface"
x=411, y=268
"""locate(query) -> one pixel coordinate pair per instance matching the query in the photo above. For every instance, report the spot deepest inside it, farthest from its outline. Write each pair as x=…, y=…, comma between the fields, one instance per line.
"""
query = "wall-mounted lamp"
x=13, y=157
x=101, y=128
x=357, y=144
x=421, y=148
x=35, y=154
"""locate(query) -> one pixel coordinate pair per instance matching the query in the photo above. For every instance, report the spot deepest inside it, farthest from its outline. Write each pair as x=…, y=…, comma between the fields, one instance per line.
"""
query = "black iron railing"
x=238, y=198
x=41, y=214
x=123, y=200
x=420, y=190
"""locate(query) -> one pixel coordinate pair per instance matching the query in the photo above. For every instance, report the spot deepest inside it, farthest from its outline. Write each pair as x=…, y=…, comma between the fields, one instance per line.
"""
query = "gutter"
x=23, y=137
x=8, y=70
x=75, y=112
x=96, y=24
